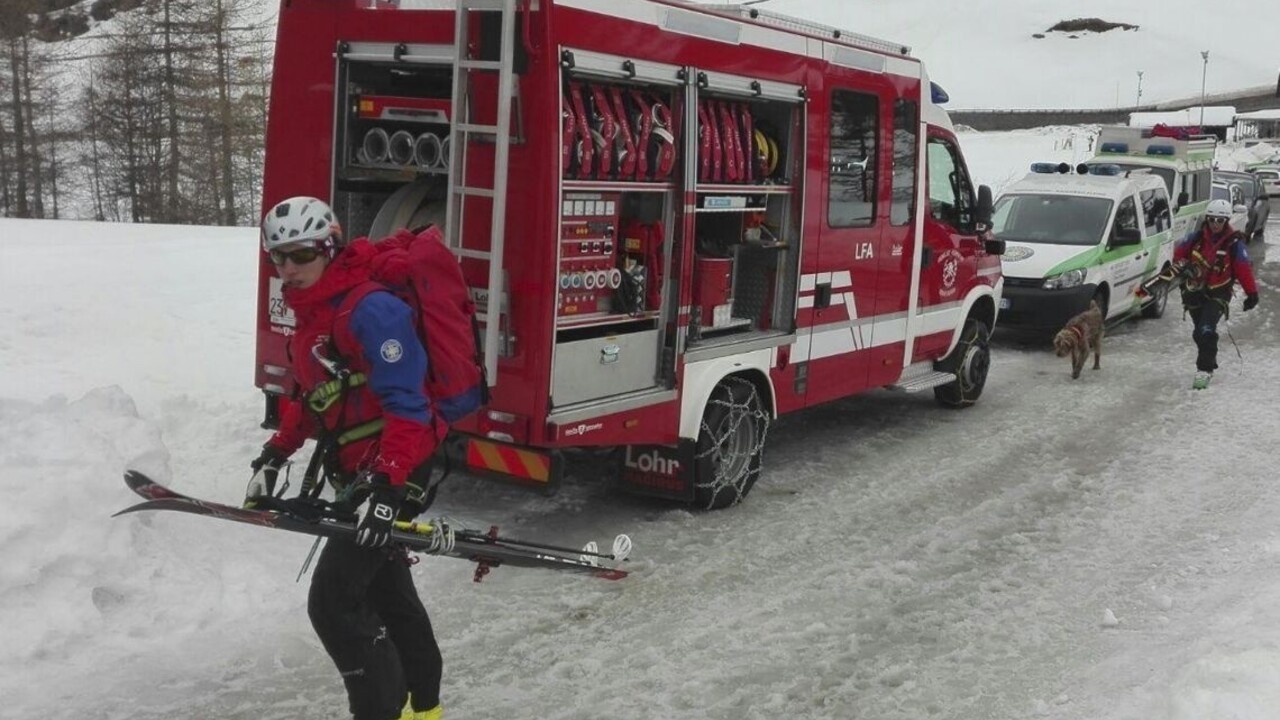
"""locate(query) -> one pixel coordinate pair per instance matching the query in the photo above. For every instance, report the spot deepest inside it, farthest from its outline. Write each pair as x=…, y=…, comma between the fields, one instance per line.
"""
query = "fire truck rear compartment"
x=391, y=146
x=628, y=242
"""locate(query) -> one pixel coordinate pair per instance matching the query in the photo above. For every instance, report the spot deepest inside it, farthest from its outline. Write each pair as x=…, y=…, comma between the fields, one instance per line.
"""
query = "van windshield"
x=1220, y=192
x=1051, y=219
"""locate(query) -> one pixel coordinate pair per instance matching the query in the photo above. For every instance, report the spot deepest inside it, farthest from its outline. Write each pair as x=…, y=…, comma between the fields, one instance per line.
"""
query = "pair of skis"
x=486, y=549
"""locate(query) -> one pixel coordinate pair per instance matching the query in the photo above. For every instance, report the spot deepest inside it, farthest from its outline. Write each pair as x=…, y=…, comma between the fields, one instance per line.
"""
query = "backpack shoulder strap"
x=340, y=336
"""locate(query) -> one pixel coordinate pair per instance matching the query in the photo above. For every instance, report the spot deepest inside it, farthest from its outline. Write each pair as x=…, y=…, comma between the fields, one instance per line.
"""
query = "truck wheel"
x=1155, y=308
x=730, y=444
x=969, y=361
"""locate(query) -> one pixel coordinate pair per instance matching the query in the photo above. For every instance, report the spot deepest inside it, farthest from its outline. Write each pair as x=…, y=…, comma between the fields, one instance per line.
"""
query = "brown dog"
x=1081, y=334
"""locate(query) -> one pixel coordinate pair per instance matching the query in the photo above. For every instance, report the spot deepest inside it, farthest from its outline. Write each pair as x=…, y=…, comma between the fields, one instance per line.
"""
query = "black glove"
x=376, y=517
x=1250, y=301
x=266, y=470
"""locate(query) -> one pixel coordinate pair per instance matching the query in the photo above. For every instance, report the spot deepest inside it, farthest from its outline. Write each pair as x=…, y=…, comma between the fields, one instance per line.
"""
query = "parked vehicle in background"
x=1184, y=163
x=1255, y=198
x=1223, y=190
x=1270, y=177
x=1074, y=238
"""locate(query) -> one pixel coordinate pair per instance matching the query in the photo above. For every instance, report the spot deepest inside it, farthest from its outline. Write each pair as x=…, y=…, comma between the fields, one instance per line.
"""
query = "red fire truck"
x=679, y=221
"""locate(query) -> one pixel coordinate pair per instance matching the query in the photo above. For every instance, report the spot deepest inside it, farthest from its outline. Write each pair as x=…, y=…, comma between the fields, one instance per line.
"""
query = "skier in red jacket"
x=1211, y=260
x=359, y=375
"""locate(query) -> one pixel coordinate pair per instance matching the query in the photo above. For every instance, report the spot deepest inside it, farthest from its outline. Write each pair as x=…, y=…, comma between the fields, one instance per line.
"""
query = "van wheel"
x=1100, y=297
x=1155, y=308
x=730, y=444
x=970, y=361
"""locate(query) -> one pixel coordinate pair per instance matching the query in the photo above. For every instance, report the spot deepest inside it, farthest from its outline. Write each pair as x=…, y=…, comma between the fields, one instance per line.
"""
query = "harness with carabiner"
x=319, y=401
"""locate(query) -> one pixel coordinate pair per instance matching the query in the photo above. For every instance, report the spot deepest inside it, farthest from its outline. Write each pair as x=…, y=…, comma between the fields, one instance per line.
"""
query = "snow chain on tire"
x=733, y=470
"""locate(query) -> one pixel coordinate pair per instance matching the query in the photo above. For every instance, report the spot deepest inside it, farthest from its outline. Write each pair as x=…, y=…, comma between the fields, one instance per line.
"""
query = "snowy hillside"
x=1105, y=548
x=984, y=53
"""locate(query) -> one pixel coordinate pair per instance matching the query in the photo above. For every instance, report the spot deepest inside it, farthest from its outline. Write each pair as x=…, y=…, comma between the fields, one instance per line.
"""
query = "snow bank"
x=66, y=567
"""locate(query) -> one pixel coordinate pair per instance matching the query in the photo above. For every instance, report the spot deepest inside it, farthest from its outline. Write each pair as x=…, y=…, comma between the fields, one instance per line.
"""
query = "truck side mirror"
x=1183, y=197
x=982, y=213
x=1126, y=236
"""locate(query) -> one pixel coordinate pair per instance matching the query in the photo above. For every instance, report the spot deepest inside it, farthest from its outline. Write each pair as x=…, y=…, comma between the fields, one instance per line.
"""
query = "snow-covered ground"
x=1105, y=548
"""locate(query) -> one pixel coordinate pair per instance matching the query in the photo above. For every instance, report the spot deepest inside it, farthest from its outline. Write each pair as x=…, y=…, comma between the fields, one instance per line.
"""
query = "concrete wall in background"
x=1254, y=99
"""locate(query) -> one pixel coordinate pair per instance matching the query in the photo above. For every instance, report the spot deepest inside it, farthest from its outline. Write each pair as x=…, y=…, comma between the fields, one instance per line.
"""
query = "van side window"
x=854, y=128
x=950, y=192
x=1155, y=211
x=1127, y=215
x=1197, y=185
x=905, y=128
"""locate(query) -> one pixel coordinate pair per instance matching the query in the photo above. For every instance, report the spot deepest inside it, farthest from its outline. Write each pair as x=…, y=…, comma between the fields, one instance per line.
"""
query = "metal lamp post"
x=1138, y=102
x=1203, y=76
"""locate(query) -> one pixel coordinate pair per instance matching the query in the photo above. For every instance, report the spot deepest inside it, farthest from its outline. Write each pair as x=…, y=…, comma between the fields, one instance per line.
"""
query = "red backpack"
x=422, y=271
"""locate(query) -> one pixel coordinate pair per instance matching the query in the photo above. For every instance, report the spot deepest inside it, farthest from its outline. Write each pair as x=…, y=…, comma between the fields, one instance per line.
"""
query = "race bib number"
x=278, y=312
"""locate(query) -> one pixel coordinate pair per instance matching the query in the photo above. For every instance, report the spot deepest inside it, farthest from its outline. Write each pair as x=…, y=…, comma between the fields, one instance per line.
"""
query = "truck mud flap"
x=657, y=471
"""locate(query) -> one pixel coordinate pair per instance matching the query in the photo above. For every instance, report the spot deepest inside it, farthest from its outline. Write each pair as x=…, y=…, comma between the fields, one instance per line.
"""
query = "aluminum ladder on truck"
x=463, y=131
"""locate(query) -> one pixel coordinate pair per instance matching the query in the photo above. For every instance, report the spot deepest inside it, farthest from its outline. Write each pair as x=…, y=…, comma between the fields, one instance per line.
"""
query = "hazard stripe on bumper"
x=508, y=460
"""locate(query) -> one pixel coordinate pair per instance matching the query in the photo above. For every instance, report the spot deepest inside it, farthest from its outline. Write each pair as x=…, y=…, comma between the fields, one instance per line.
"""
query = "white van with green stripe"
x=1075, y=238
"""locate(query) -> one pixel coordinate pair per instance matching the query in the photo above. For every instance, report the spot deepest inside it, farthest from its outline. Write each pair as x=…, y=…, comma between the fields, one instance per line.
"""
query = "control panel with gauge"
x=589, y=273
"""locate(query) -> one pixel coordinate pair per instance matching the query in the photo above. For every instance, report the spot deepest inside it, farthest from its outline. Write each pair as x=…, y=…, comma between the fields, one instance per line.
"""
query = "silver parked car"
x=1255, y=198
x=1270, y=175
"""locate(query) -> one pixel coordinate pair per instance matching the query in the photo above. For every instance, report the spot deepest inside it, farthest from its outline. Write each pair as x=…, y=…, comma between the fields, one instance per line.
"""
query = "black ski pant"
x=367, y=612
x=1206, y=308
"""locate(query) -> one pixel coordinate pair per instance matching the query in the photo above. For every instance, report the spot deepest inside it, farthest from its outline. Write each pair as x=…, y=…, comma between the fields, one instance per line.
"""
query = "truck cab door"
x=951, y=245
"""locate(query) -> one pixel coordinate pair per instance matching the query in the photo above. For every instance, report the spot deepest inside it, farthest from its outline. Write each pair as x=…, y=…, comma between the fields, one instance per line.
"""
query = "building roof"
x=1260, y=115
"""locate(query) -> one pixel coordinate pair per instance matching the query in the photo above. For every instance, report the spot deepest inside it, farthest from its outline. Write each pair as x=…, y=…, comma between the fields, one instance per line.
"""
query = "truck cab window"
x=905, y=126
x=854, y=129
x=950, y=192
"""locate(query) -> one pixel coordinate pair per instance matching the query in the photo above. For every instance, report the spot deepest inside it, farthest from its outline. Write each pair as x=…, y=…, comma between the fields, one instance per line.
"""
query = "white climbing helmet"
x=1218, y=208
x=301, y=219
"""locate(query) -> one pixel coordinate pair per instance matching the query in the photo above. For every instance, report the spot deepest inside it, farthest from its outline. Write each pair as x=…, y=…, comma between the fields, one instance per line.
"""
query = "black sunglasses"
x=301, y=256
x=1217, y=219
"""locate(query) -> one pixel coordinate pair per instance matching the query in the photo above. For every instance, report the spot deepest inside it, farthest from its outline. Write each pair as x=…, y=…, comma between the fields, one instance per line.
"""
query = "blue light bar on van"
x=1105, y=169
x=937, y=94
x=1115, y=147
x=1048, y=168
x=1159, y=149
